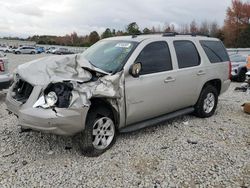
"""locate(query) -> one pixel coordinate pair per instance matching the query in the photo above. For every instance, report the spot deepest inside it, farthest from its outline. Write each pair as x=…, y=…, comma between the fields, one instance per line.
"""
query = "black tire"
x=242, y=76
x=33, y=52
x=86, y=137
x=199, y=107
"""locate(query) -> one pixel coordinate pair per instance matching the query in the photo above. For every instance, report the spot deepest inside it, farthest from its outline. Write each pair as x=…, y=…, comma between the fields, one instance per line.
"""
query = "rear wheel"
x=32, y=52
x=99, y=134
x=207, y=102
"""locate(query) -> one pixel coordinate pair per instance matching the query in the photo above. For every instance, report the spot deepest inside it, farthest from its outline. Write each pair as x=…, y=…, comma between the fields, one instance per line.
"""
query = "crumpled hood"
x=57, y=69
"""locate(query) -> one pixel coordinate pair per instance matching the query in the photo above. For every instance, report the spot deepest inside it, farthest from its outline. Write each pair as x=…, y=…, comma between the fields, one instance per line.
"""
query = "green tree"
x=93, y=37
x=133, y=29
x=107, y=33
x=244, y=38
x=146, y=31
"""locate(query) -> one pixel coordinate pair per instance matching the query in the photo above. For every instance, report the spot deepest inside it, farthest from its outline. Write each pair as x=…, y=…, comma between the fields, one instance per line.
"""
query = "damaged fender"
x=76, y=70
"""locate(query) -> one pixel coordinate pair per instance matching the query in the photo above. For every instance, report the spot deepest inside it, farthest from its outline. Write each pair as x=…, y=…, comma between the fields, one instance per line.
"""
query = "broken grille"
x=22, y=91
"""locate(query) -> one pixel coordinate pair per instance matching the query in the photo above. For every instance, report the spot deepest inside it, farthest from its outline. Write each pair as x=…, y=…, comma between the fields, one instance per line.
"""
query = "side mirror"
x=135, y=70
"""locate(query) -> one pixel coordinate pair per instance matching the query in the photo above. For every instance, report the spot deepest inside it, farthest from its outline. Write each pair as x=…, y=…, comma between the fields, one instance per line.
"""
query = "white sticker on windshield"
x=123, y=45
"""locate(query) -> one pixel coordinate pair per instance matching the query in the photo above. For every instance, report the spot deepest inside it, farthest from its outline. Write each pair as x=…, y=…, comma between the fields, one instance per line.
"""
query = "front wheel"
x=99, y=134
x=207, y=102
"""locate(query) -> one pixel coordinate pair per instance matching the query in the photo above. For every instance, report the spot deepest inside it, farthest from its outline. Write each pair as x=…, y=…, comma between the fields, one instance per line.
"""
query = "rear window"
x=215, y=51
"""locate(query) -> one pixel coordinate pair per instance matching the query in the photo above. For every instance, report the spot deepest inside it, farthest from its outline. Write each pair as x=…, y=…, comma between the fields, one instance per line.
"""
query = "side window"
x=155, y=57
x=215, y=51
x=187, y=54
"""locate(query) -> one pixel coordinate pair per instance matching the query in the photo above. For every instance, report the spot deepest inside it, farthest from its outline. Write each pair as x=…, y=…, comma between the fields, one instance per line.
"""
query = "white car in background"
x=51, y=50
x=6, y=49
x=25, y=50
x=5, y=76
x=239, y=68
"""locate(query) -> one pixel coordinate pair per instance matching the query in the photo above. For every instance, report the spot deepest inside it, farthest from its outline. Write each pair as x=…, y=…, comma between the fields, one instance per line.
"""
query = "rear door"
x=152, y=94
x=190, y=74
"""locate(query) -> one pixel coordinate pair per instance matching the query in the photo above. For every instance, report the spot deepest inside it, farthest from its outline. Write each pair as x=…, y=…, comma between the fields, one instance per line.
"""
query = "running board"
x=157, y=120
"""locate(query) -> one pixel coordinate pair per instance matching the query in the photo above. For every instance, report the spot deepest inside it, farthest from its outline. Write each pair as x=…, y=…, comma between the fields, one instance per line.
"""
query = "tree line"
x=234, y=33
x=73, y=39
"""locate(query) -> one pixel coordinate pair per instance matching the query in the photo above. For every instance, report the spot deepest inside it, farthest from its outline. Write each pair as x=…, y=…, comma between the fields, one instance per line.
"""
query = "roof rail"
x=172, y=34
x=196, y=34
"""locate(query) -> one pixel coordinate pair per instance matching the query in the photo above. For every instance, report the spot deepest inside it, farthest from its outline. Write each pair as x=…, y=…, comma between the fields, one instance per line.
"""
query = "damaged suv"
x=120, y=84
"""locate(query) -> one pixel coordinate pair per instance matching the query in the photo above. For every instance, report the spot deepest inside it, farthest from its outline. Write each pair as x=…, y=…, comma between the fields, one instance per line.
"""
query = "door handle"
x=169, y=79
x=201, y=72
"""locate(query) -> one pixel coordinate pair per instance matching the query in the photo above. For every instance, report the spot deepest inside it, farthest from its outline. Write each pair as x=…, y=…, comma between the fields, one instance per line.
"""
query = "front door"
x=152, y=94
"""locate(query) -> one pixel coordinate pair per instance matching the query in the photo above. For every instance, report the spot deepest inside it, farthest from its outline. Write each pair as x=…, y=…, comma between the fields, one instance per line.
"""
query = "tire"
x=207, y=102
x=92, y=139
x=241, y=76
x=33, y=52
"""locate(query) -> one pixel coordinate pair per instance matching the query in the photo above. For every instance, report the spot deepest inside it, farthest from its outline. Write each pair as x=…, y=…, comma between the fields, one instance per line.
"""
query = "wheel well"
x=97, y=102
x=216, y=83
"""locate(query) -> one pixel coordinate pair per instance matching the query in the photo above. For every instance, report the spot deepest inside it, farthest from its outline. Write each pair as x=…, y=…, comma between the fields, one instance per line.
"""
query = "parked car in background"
x=25, y=50
x=6, y=49
x=40, y=49
x=239, y=68
x=62, y=51
x=120, y=84
x=50, y=50
x=5, y=76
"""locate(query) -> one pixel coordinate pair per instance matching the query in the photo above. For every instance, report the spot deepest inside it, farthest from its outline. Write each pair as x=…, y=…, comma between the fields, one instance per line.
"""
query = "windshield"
x=108, y=55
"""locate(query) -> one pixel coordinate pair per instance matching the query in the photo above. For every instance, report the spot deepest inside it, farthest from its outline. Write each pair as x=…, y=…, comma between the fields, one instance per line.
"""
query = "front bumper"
x=61, y=121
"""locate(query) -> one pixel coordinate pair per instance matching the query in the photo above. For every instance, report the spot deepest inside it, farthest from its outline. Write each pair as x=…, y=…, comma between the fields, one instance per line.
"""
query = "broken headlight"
x=51, y=98
x=58, y=94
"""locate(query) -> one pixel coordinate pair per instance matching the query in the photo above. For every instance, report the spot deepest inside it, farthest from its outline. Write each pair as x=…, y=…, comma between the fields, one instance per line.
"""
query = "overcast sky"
x=29, y=17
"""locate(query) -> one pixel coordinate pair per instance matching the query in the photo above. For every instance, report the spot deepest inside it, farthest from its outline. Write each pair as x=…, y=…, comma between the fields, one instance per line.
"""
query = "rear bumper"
x=225, y=85
x=5, y=81
x=60, y=121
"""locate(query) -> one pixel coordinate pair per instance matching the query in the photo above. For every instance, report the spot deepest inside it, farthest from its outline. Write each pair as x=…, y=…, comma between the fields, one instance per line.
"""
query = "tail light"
x=1, y=66
x=230, y=70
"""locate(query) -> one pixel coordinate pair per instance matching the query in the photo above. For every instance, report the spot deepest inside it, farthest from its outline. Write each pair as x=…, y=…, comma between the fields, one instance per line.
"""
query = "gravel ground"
x=184, y=152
